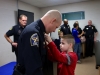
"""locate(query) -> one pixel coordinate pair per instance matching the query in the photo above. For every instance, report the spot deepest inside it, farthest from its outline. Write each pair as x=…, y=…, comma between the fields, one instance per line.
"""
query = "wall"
x=92, y=12
x=8, y=18
x=27, y=7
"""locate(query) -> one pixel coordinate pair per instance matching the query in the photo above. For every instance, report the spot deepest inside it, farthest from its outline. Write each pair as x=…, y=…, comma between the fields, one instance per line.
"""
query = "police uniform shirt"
x=89, y=30
x=65, y=29
x=15, y=31
x=31, y=49
x=79, y=30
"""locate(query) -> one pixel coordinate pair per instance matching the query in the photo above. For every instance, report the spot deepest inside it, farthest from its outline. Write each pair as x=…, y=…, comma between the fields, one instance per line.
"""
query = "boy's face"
x=64, y=46
x=60, y=35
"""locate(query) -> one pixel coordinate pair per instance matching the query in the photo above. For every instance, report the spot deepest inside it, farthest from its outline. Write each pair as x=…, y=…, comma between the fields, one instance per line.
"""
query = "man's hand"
x=14, y=44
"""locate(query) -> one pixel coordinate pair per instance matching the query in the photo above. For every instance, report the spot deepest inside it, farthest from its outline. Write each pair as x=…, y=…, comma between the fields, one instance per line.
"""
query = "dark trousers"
x=14, y=49
x=89, y=45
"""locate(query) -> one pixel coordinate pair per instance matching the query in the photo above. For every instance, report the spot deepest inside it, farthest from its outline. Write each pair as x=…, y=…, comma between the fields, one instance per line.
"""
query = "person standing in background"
x=15, y=31
x=90, y=35
x=65, y=28
x=77, y=47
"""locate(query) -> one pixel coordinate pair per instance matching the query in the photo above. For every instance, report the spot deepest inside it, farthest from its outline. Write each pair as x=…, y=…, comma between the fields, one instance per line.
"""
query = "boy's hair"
x=69, y=38
x=59, y=32
x=75, y=25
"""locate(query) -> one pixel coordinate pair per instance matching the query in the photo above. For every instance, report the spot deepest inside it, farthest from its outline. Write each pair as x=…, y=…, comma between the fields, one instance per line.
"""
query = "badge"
x=19, y=31
x=64, y=27
x=92, y=27
x=59, y=30
x=87, y=28
x=44, y=43
x=34, y=40
x=11, y=28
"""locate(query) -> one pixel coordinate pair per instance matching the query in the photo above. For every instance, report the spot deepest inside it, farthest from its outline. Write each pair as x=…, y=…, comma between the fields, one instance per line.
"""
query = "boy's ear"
x=71, y=45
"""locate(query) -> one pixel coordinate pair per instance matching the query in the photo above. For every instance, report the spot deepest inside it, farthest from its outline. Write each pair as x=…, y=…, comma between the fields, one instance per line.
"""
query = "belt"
x=89, y=36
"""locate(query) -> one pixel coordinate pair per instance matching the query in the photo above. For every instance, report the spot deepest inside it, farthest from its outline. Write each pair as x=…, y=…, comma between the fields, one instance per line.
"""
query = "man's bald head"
x=65, y=21
x=51, y=20
x=90, y=22
x=53, y=14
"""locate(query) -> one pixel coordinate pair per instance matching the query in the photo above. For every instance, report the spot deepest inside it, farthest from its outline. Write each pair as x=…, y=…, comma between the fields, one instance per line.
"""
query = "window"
x=74, y=15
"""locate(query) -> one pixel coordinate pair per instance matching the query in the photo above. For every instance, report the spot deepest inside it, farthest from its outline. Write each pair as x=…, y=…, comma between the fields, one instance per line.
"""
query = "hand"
x=14, y=44
x=94, y=39
x=79, y=36
x=48, y=38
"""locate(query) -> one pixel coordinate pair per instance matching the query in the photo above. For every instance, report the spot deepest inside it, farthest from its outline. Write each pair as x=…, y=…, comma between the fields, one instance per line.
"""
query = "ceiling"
x=46, y=3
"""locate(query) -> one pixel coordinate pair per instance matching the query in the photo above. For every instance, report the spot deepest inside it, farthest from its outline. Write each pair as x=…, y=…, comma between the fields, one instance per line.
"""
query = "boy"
x=67, y=59
x=77, y=47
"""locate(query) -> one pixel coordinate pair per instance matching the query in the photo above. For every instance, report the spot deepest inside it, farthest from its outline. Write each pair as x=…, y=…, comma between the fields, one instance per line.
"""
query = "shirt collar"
x=41, y=25
x=21, y=26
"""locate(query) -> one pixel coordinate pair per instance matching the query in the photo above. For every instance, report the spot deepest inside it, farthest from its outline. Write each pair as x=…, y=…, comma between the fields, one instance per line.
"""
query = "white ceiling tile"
x=46, y=3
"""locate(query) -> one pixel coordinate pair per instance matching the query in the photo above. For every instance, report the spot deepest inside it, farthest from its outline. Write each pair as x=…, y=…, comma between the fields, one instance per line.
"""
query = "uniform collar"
x=41, y=25
x=65, y=24
x=21, y=26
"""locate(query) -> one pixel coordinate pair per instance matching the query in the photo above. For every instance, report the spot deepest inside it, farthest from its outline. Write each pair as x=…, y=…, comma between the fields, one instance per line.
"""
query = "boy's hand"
x=79, y=36
x=48, y=38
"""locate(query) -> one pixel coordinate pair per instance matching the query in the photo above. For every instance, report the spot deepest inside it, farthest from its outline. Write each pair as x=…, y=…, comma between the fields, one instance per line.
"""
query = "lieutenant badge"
x=34, y=40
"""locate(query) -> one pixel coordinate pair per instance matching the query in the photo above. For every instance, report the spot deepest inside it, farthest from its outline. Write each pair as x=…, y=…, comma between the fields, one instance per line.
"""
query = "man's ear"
x=53, y=20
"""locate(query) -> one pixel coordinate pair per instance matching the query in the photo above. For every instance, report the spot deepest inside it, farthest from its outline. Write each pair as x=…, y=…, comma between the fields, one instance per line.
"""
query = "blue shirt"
x=75, y=35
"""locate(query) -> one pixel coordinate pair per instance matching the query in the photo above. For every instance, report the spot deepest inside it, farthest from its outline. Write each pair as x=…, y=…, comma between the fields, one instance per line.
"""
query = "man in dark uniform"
x=65, y=28
x=90, y=35
x=15, y=31
x=31, y=49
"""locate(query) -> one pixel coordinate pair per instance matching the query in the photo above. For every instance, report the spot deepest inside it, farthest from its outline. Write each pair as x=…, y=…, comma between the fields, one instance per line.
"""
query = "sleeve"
x=75, y=34
x=56, y=53
x=34, y=40
x=80, y=30
x=31, y=52
x=70, y=30
x=10, y=32
x=50, y=56
x=95, y=30
x=61, y=28
x=84, y=29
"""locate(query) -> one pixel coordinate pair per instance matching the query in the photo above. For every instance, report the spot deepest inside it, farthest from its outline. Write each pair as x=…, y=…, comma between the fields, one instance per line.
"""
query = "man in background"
x=90, y=35
x=65, y=28
x=15, y=31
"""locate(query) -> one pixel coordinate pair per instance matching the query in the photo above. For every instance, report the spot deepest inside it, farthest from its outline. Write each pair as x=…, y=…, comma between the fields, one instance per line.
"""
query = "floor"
x=87, y=67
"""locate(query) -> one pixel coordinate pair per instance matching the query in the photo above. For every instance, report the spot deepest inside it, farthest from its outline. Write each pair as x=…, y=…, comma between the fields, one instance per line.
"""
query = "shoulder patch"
x=11, y=28
x=59, y=30
x=34, y=40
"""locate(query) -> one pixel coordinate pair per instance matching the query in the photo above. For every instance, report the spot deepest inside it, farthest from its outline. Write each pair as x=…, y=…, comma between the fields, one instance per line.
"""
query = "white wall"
x=7, y=20
x=92, y=12
x=27, y=7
